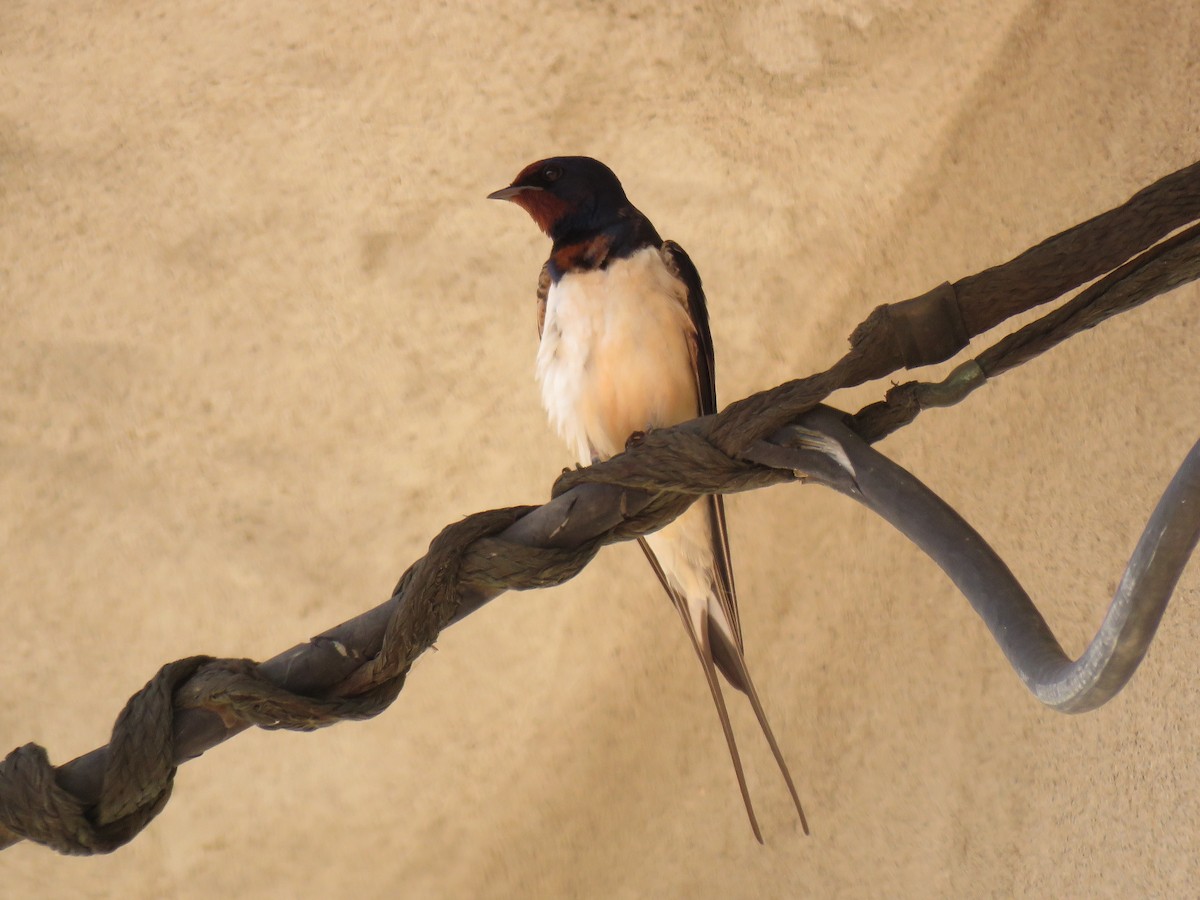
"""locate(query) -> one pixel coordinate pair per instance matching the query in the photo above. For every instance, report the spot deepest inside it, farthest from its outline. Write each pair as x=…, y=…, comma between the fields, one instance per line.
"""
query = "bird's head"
x=567, y=195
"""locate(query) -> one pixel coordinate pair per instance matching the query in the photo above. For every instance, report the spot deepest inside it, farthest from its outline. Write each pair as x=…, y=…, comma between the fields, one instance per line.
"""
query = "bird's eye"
x=552, y=173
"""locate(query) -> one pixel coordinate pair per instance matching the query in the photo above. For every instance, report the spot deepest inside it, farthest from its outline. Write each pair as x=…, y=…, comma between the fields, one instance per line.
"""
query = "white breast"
x=615, y=355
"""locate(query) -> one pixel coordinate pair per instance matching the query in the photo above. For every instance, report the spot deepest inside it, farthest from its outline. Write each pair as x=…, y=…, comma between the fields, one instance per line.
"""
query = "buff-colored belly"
x=615, y=356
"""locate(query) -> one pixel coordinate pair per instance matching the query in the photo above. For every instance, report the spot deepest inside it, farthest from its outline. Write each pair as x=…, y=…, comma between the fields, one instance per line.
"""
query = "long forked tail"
x=700, y=641
x=733, y=657
x=704, y=652
x=717, y=649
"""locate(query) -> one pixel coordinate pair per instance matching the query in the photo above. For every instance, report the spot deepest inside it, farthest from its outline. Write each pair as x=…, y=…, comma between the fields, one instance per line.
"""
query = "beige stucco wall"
x=261, y=337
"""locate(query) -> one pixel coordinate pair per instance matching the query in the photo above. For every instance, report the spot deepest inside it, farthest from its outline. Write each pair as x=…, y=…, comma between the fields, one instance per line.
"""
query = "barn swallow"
x=625, y=347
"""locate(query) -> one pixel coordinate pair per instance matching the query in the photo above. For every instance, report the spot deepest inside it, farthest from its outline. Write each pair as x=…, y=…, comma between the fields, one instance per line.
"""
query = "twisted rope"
x=354, y=671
